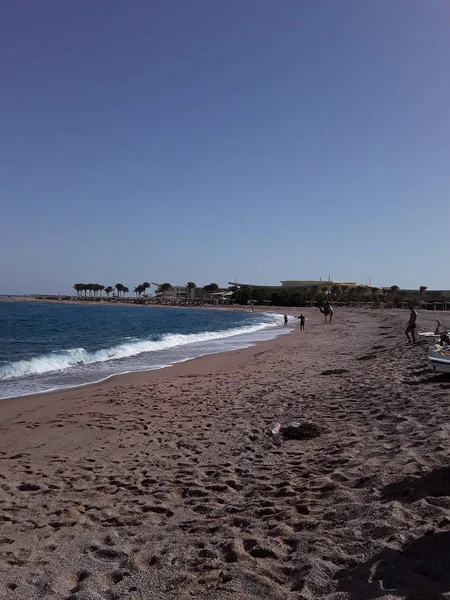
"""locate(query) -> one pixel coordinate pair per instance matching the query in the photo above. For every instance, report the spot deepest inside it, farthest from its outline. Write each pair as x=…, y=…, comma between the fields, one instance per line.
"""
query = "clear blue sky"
x=207, y=139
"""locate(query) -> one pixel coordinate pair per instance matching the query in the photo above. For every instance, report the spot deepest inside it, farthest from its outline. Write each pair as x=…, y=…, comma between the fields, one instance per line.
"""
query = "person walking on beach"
x=285, y=320
x=302, y=322
x=411, y=327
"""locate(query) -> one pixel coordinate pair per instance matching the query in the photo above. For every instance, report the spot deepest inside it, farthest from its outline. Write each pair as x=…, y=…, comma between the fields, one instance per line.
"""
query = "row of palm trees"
x=319, y=293
x=141, y=288
x=97, y=288
x=363, y=294
x=190, y=287
x=342, y=293
x=163, y=288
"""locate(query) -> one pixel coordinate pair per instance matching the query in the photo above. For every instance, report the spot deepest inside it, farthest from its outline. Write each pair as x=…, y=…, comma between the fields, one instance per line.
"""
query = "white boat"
x=429, y=336
x=432, y=337
x=439, y=359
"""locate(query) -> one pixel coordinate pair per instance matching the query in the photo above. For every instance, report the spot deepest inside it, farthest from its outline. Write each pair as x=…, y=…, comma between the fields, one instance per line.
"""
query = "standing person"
x=411, y=327
x=302, y=322
x=285, y=320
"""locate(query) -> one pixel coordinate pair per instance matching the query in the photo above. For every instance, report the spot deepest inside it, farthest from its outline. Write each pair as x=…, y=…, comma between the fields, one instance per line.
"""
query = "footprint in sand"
x=28, y=487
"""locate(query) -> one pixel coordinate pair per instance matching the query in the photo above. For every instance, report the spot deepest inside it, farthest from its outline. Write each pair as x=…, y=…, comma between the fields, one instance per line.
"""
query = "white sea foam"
x=60, y=361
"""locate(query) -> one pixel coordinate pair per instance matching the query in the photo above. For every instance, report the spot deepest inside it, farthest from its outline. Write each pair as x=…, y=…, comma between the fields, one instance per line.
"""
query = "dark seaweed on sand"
x=304, y=431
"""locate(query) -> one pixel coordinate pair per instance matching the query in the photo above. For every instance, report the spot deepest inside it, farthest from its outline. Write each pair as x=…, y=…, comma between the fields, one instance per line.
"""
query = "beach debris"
x=367, y=356
x=301, y=431
x=297, y=430
x=334, y=372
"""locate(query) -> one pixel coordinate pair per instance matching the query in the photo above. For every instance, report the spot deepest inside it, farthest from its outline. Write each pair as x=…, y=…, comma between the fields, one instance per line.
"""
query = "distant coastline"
x=132, y=302
x=114, y=301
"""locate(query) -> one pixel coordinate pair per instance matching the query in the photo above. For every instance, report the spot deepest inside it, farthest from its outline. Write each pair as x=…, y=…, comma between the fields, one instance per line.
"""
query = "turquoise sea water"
x=51, y=346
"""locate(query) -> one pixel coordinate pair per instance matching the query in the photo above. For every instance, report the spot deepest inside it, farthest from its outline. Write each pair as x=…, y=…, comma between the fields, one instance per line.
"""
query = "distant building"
x=180, y=293
x=320, y=283
x=429, y=296
x=296, y=283
x=176, y=292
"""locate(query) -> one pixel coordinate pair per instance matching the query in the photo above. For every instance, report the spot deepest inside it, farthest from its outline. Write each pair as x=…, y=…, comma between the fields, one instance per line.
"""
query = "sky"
x=205, y=140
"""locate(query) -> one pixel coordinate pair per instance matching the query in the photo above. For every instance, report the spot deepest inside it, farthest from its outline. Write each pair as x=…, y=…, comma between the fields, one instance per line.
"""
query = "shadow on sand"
x=442, y=381
x=422, y=375
x=410, y=489
x=421, y=571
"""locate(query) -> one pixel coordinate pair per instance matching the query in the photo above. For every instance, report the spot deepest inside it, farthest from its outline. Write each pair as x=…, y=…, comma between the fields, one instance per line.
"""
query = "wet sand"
x=168, y=484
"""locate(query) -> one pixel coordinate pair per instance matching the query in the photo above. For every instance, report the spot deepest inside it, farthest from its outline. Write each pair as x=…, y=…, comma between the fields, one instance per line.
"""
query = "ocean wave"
x=62, y=360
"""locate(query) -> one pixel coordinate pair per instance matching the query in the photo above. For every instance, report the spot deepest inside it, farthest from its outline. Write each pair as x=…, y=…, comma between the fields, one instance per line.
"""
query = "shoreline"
x=197, y=365
x=66, y=390
x=271, y=332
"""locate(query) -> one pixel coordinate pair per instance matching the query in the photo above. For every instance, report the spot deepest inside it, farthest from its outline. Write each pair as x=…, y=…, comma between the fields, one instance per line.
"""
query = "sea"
x=45, y=347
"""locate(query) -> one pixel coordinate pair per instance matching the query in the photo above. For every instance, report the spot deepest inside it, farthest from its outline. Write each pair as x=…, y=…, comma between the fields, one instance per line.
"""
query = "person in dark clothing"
x=411, y=327
x=302, y=322
x=285, y=320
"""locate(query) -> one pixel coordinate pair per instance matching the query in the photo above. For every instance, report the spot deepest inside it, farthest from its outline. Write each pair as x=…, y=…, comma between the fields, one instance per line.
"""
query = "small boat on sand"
x=429, y=336
x=432, y=337
x=439, y=359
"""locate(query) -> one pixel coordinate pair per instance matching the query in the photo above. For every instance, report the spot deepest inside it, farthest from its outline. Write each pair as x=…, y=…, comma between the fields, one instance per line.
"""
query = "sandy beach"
x=169, y=485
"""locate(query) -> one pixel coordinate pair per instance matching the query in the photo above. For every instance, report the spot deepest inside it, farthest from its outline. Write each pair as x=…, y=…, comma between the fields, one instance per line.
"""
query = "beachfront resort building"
x=427, y=296
x=176, y=292
x=406, y=294
x=180, y=293
x=297, y=283
x=309, y=284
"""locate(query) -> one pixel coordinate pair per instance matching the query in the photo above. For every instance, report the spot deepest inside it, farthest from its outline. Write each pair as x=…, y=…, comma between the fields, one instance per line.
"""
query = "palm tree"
x=351, y=294
x=359, y=293
x=344, y=290
x=145, y=286
x=402, y=294
x=85, y=288
x=314, y=289
x=78, y=287
x=101, y=288
x=374, y=291
x=190, y=287
x=393, y=292
x=334, y=292
x=108, y=290
x=210, y=288
x=164, y=288
x=119, y=287
x=422, y=289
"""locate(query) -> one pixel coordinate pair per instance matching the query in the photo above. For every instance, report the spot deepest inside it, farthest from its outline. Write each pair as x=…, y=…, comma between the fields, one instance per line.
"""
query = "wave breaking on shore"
x=77, y=366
